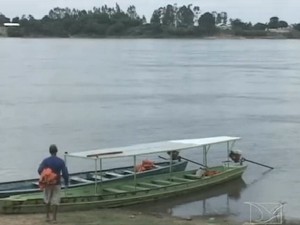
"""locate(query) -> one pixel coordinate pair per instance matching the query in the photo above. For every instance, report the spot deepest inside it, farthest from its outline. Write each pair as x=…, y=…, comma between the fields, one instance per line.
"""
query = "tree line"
x=167, y=21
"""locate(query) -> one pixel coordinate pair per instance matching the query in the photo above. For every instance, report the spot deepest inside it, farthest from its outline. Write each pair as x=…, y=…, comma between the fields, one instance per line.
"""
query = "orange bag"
x=47, y=177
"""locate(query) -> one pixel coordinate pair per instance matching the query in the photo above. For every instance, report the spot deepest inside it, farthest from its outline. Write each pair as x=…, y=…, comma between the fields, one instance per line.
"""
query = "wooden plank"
x=138, y=188
x=36, y=184
x=128, y=171
x=181, y=179
x=79, y=179
x=98, y=177
x=165, y=182
x=151, y=185
x=192, y=176
x=114, y=174
x=114, y=190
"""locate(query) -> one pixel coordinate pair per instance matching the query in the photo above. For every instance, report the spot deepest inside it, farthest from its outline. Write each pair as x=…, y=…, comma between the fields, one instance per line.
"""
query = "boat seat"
x=114, y=190
x=192, y=176
x=151, y=185
x=181, y=179
x=82, y=180
x=36, y=184
x=99, y=177
x=165, y=182
x=113, y=174
x=131, y=187
x=128, y=171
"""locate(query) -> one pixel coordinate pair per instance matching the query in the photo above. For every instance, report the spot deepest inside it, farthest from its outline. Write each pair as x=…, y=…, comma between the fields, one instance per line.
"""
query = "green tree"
x=156, y=15
x=237, y=24
x=260, y=26
x=131, y=12
x=185, y=17
x=218, y=18
x=297, y=26
x=168, y=17
x=144, y=20
x=273, y=23
x=207, y=21
x=15, y=20
x=282, y=24
x=3, y=19
x=118, y=9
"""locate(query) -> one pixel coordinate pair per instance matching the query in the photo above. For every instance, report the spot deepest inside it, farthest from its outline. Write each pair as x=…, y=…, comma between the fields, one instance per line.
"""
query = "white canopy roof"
x=150, y=148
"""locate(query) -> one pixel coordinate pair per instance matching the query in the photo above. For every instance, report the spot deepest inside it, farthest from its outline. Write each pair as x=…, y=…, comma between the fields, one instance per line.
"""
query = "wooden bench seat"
x=138, y=188
x=36, y=184
x=181, y=179
x=192, y=176
x=114, y=190
x=81, y=180
x=128, y=171
x=114, y=174
x=151, y=185
x=99, y=177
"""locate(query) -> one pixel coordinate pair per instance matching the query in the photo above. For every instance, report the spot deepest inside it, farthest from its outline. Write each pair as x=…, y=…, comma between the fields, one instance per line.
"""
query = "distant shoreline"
x=227, y=37
x=8, y=32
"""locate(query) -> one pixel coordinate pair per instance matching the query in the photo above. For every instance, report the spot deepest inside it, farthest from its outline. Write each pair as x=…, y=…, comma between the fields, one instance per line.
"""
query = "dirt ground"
x=118, y=216
x=108, y=217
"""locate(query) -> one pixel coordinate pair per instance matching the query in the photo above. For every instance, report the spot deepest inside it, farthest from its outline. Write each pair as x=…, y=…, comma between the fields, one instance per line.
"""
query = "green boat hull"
x=125, y=192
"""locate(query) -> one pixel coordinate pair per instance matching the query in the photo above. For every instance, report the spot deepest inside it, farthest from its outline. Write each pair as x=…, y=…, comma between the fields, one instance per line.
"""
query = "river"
x=83, y=94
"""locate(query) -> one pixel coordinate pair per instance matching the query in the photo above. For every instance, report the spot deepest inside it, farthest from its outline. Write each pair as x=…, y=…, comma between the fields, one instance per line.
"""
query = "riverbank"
x=119, y=216
x=110, y=217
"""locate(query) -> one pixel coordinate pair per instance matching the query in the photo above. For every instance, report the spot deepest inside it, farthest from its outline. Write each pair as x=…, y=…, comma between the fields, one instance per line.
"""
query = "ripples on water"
x=83, y=94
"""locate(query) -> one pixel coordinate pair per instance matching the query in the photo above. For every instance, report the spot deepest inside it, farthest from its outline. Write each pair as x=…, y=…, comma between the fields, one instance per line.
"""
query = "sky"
x=247, y=10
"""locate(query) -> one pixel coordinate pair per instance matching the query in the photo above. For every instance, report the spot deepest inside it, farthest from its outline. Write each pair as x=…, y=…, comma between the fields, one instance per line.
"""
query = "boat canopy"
x=151, y=148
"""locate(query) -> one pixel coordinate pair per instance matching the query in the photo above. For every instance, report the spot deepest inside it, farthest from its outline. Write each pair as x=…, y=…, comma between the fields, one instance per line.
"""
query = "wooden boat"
x=88, y=178
x=137, y=190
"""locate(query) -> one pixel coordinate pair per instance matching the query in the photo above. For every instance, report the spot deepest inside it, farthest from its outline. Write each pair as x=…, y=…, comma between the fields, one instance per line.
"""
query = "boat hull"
x=31, y=186
x=149, y=188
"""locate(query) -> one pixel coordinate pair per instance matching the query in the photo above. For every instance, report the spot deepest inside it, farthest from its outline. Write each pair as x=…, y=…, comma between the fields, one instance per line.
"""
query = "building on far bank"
x=2, y=31
x=11, y=24
x=5, y=26
x=280, y=30
x=223, y=26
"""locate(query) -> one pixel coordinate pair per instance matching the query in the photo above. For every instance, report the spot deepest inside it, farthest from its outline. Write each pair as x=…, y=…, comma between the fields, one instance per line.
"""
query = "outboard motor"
x=175, y=155
x=236, y=156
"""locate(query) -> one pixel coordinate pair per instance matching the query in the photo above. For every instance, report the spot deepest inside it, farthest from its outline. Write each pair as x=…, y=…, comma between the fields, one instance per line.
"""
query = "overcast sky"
x=246, y=10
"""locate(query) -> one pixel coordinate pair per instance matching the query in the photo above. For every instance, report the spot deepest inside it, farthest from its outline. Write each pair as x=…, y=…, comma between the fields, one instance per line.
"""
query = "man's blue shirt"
x=57, y=165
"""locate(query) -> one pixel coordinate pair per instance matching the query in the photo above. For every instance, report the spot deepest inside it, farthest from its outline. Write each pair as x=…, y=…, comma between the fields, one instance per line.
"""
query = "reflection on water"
x=215, y=201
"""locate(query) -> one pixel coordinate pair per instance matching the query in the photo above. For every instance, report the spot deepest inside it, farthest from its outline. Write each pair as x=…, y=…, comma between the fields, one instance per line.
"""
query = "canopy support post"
x=134, y=169
x=65, y=159
x=96, y=175
x=100, y=169
x=171, y=163
x=205, y=155
x=228, y=154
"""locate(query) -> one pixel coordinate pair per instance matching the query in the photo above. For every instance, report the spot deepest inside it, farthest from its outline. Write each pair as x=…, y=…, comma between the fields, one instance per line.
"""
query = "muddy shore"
x=119, y=216
x=110, y=217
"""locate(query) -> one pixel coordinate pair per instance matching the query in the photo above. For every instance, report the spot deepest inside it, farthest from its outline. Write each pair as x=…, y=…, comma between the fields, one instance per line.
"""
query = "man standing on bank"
x=52, y=191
